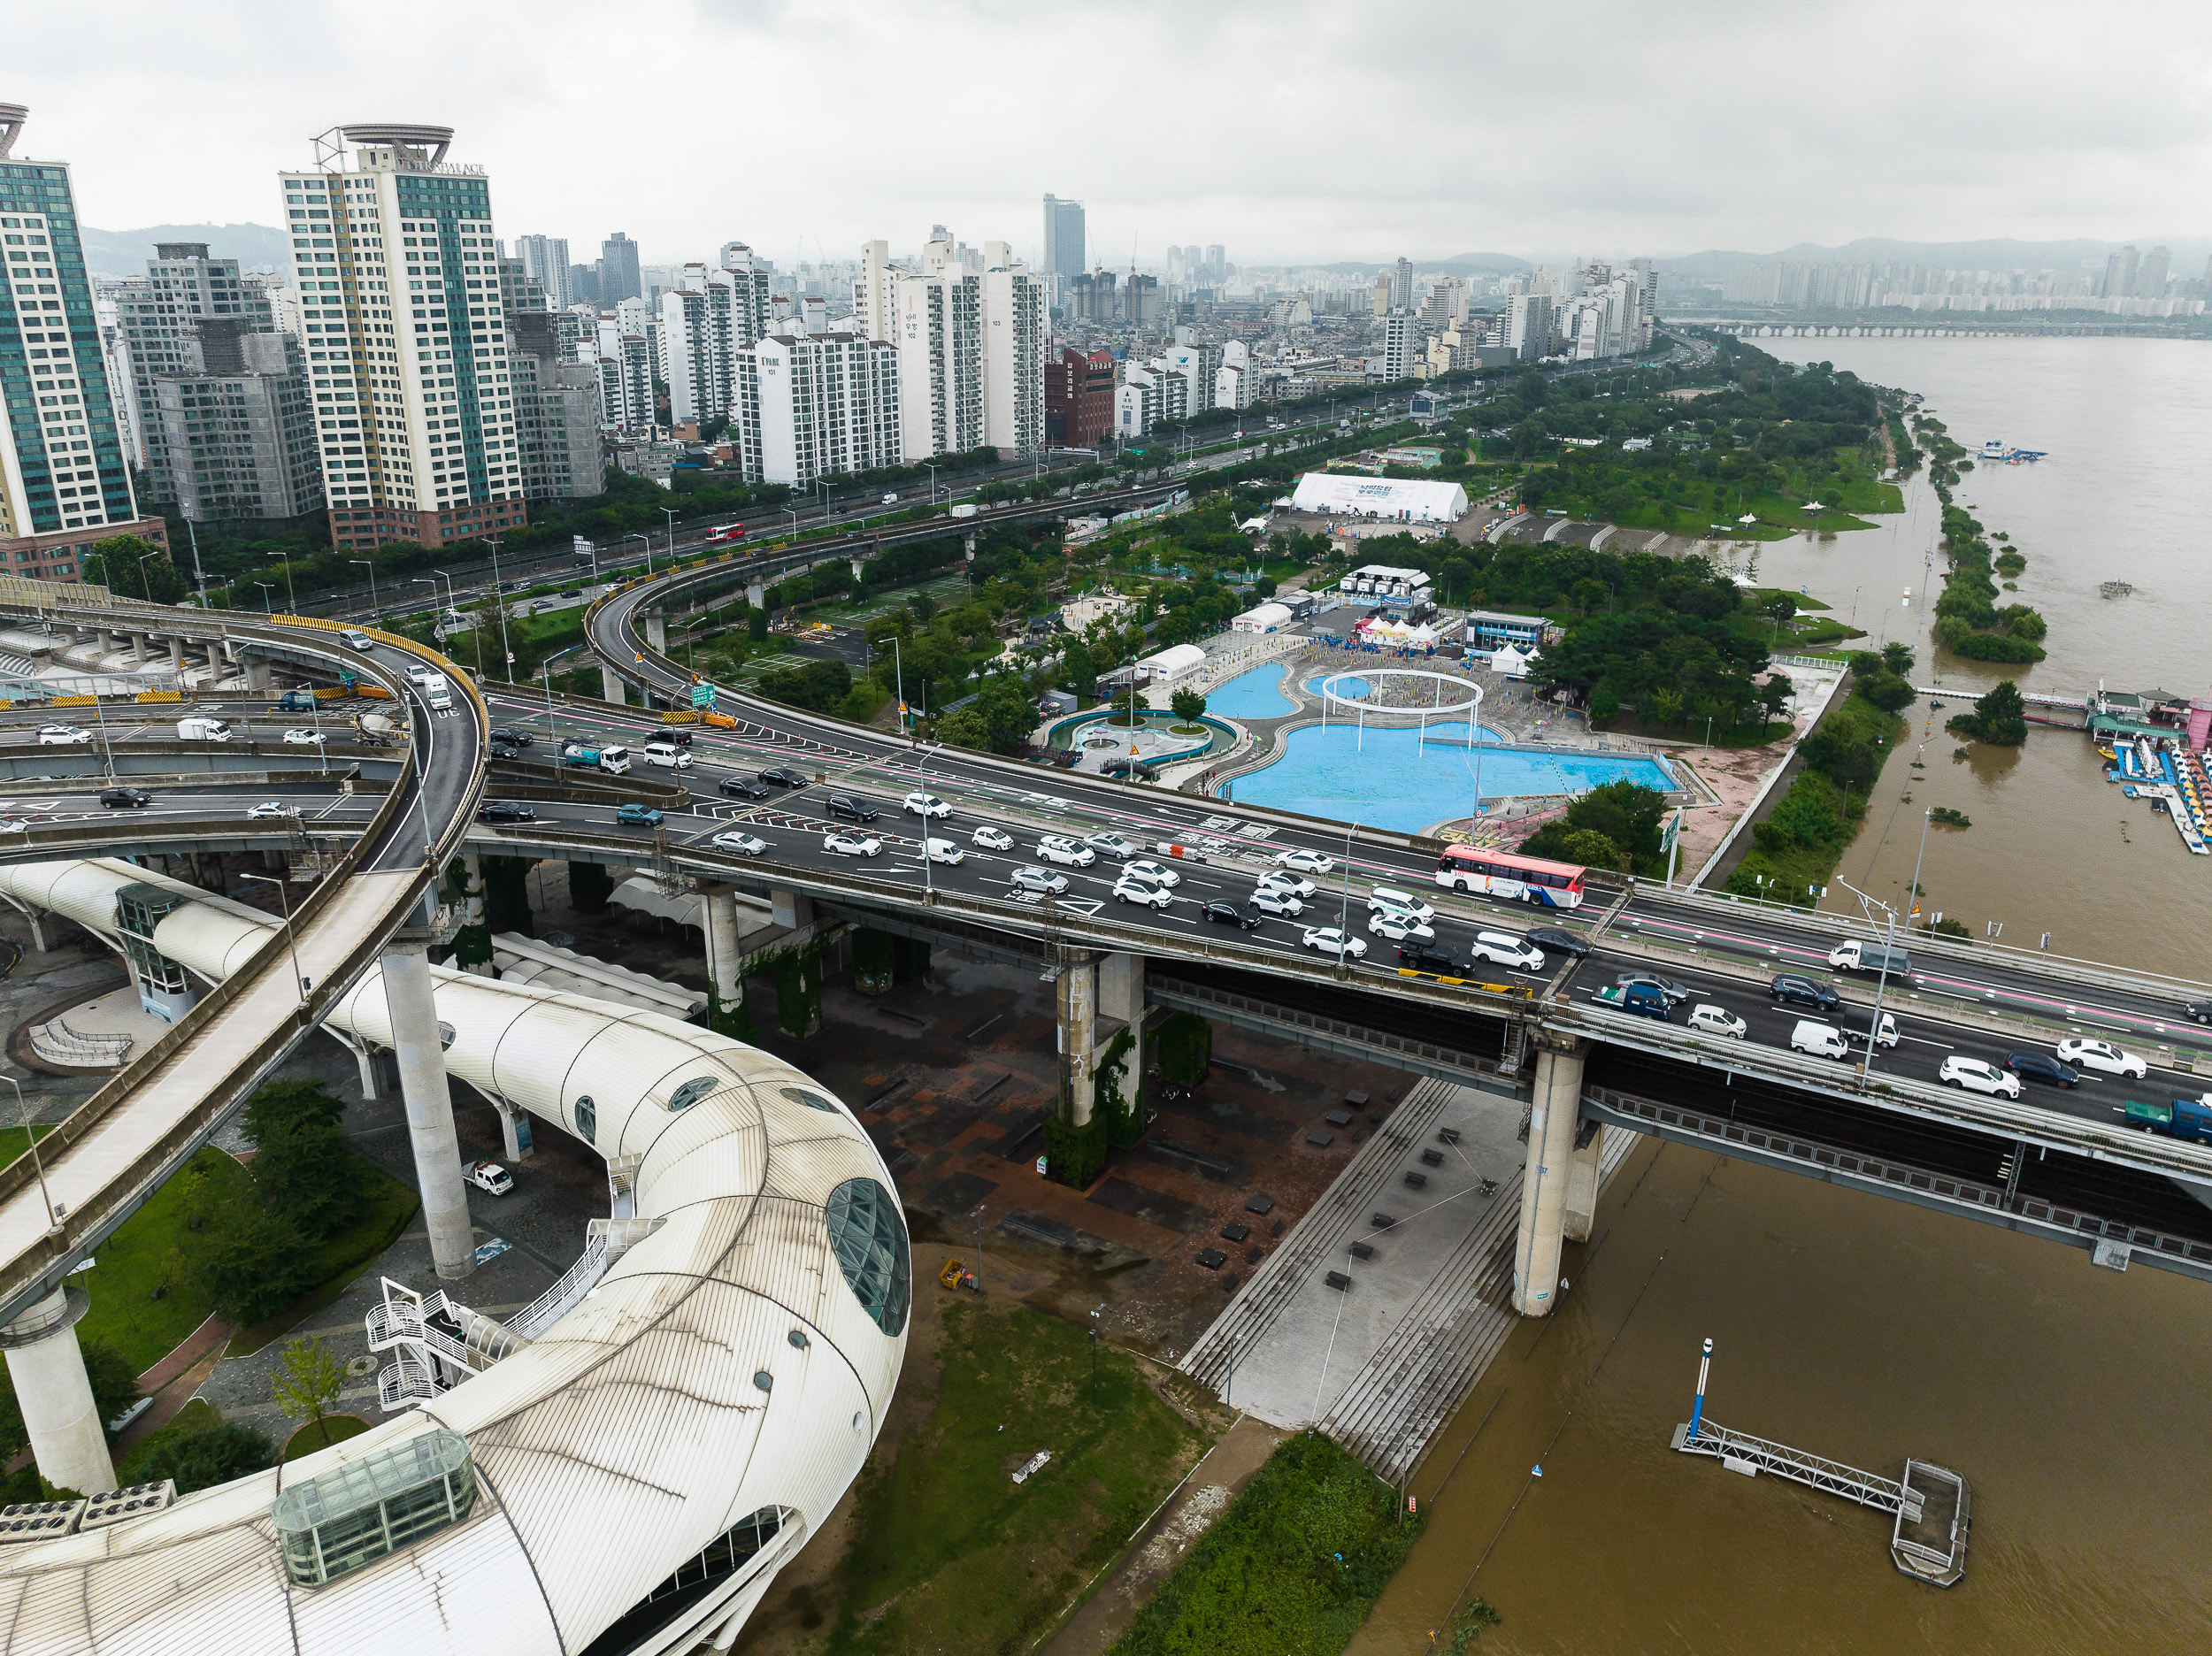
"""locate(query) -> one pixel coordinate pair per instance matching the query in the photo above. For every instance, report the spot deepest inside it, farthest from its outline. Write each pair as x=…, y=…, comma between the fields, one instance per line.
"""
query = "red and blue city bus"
x=1502, y=874
x=726, y=535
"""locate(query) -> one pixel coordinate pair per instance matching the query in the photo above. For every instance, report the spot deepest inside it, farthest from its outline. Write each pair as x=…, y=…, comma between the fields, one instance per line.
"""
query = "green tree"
x=204, y=1457
x=1186, y=1046
x=1080, y=671
x=1188, y=705
x=756, y=624
x=1897, y=656
x=1592, y=848
x=308, y=1378
x=132, y=567
x=251, y=1260
x=1999, y=718
x=1008, y=718
x=590, y=885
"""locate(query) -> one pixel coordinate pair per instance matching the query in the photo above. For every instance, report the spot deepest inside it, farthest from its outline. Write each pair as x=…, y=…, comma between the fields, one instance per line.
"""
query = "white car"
x=1976, y=1077
x=1714, y=1020
x=14, y=826
x=1137, y=891
x=1269, y=901
x=925, y=805
x=303, y=738
x=1277, y=880
x=2102, y=1056
x=943, y=851
x=1404, y=903
x=1399, y=928
x=839, y=844
x=1159, y=874
x=270, y=807
x=488, y=1176
x=62, y=736
x=1501, y=948
x=1112, y=845
x=1305, y=862
x=992, y=838
x=1039, y=880
x=1057, y=848
x=738, y=840
x=1330, y=941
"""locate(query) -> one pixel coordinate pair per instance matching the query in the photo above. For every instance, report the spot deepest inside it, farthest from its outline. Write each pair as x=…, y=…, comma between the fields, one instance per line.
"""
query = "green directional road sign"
x=703, y=696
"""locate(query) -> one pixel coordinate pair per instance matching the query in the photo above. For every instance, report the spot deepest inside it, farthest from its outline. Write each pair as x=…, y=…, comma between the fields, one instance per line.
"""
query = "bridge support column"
x=46, y=1367
x=756, y=595
x=421, y=1051
x=967, y=543
x=514, y=1132
x=610, y=686
x=1121, y=998
x=1582, y=1182
x=1553, y=1114
x=656, y=630
x=788, y=908
x=1076, y=992
x=258, y=672
x=859, y=567
x=722, y=950
x=176, y=655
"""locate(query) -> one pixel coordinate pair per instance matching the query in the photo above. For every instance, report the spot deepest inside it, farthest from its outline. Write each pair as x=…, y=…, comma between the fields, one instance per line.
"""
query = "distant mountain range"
x=2002, y=254
x=1458, y=264
x=125, y=252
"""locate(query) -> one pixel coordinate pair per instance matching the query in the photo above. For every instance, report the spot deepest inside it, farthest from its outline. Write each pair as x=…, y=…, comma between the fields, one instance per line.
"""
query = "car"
x=1804, y=992
x=2033, y=1066
x=1714, y=1020
x=303, y=738
x=852, y=807
x=1304, y=861
x=1973, y=1076
x=635, y=815
x=781, y=776
x=356, y=638
x=1218, y=913
x=666, y=754
x=505, y=810
x=1503, y=948
x=1158, y=873
x=1038, y=879
x=837, y=842
x=63, y=736
x=495, y=747
x=124, y=798
x=741, y=787
x=1112, y=845
x=1675, y=993
x=1060, y=849
x=676, y=734
x=925, y=805
x=945, y=851
x=14, y=826
x=738, y=840
x=992, y=838
x=1137, y=891
x=271, y=808
x=2197, y=1011
x=1427, y=955
x=1331, y=940
x=1557, y=940
x=1404, y=903
x=1269, y=901
x=512, y=737
x=2102, y=1056
x=1281, y=880
x=488, y=1176
x=1388, y=923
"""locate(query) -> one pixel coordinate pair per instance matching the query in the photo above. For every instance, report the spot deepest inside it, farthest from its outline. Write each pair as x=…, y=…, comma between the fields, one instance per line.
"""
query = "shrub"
x=1186, y=1043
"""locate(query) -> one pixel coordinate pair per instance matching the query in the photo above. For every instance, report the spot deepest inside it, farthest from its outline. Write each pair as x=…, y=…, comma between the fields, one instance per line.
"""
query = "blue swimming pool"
x=1346, y=689
x=1257, y=693
x=1394, y=780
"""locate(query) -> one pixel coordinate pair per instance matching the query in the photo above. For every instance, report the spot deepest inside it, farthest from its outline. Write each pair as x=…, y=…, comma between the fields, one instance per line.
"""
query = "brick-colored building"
x=1078, y=399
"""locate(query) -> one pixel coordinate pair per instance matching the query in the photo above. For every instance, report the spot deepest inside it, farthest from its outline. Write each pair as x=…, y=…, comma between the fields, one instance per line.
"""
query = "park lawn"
x=1760, y=596
x=197, y=1416
x=1291, y=1570
x=144, y=1301
x=332, y=1429
x=948, y=1553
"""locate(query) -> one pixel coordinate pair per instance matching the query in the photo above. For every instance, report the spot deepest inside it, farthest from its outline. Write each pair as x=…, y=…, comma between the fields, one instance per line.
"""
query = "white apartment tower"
x=545, y=259
x=1016, y=325
x=698, y=341
x=937, y=326
x=816, y=405
x=405, y=337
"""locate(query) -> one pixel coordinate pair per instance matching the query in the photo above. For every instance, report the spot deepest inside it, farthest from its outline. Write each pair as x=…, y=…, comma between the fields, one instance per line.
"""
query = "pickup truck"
x=2185, y=1118
x=296, y=701
x=488, y=1176
x=1641, y=999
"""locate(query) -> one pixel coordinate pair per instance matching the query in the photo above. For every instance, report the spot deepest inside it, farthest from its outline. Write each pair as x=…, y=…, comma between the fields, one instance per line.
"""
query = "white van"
x=1872, y=958
x=438, y=693
x=1402, y=902
x=420, y=672
x=614, y=760
x=667, y=756
x=355, y=638
x=203, y=730
x=1822, y=1040
x=1503, y=948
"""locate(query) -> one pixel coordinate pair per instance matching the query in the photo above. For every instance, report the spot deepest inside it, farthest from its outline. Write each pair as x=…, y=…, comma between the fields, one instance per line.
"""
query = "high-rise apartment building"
x=1401, y=345
x=871, y=291
x=1141, y=302
x=1402, y=285
x=1382, y=293
x=1015, y=333
x=816, y=405
x=234, y=426
x=158, y=314
x=937, y=325
x=405, y=337
x=699, y=345
x=1079, y=399
x=545, y=259
x=2150, y=275
x=556, y=408
x=1236, y=382
x=750, y=278
x=620, y=278
x=1064, y=238
x=1215, y=269
x=2119, y=273
x=1528, y=326
x=63, y=482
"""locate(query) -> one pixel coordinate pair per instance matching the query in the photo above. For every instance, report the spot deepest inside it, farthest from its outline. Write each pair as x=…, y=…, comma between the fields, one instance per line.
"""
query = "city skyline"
x=2031, y=144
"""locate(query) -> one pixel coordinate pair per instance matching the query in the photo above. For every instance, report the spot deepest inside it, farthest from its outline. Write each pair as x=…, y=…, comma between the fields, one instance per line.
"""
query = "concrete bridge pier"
x=1075, y=993
x=789, y=908
x=1121, y=1004
x=859, y=566
x=722, y=946
x=514, y=1132
x=657, y=630
x=420, y=1047
x=1554, y=1112
x=756, y=595
x=611, y=685
x=46, y=1367
x=1582, y=1182
x=968, y=542
x=176, y=655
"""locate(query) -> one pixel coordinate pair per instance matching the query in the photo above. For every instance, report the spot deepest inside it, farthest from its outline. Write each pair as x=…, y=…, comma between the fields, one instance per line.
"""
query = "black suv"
x=1428, y=957
x=2033, y=1066
x=742, y=787
x=512, y=737
x=1233, y=914
x=782, y=776
x=501, y=748
x=1558, y=940
x=850, y=809
x=124, y=798
x=2197, y=1011
x=1805, y=991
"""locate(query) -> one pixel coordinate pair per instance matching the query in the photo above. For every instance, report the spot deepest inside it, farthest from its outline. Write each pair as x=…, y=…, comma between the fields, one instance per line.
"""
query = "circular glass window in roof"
x=868, y=1235
x=812, y=1100
x=692, y=1091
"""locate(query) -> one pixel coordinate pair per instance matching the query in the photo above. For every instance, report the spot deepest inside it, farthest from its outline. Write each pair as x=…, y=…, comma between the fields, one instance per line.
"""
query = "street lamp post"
x=633, y=535
x=499, y=599
x=266, y=588
x=145, y=582
x=669, y=512
x=291, y=594
x=794, y=522
x=1344, y=907
x=898, y=669
x=376, y=608
x=53, y=1224
x=291, y=942
x=932, y=484
x=552, y=732
x=929, y=888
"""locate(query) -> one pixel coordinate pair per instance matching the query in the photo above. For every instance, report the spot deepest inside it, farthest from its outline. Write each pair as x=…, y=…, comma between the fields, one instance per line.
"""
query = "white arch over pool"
x=632, y=1433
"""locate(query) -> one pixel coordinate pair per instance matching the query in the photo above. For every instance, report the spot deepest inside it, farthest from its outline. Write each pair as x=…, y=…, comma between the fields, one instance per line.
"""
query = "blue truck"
x=1642, y=999
x=296, y=701
x=2189, y=1118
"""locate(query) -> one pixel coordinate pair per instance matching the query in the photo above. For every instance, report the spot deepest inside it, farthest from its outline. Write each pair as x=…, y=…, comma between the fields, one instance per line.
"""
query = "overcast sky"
x=1287, y=130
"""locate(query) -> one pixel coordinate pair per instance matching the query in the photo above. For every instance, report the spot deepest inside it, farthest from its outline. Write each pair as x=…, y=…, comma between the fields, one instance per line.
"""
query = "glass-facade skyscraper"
x=1064, y=237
